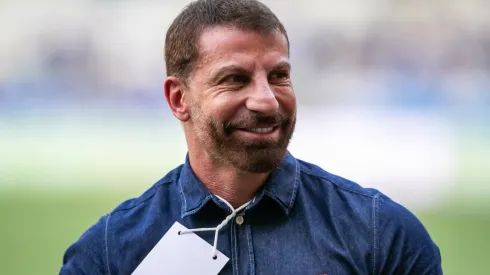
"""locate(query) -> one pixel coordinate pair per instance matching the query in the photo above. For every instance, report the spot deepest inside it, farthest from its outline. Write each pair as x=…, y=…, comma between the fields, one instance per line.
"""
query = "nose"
x=262, y=99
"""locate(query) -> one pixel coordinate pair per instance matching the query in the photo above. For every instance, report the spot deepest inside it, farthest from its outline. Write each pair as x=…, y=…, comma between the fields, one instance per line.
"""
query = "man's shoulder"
x=144, y=199
x=393, y=226
x=127, y=208
x=124, y=226
x=382, y=206
x=331, y=181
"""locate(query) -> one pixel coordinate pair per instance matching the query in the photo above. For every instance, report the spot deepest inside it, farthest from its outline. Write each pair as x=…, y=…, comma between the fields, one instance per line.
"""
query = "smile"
x=259, y=133
x=260, y=130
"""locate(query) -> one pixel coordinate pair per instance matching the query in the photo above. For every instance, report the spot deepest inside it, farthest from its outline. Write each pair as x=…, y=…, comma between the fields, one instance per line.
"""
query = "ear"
x=174, y=93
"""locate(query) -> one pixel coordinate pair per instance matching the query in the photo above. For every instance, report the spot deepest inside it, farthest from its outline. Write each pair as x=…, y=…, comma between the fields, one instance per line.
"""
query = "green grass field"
x=38, y=227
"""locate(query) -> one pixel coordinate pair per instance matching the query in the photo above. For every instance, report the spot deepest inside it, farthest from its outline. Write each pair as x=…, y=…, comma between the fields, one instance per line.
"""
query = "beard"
x=253, y=156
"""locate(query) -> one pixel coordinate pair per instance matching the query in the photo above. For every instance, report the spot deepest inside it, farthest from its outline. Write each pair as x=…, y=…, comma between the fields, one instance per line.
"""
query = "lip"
x=274, y=134
x=263, y=125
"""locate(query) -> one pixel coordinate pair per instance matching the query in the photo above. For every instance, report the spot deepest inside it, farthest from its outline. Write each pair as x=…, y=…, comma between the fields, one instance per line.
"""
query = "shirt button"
x=239, y=220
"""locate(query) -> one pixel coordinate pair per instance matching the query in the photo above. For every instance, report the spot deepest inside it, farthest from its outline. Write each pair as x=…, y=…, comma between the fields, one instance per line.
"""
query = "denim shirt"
x=303, y=220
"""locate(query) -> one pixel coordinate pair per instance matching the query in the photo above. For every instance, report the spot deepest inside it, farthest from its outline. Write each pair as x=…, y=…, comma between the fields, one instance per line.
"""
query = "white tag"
x=182, y=254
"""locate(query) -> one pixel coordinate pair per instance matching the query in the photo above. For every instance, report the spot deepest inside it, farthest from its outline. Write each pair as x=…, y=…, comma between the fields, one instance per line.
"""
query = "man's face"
x=242, y=103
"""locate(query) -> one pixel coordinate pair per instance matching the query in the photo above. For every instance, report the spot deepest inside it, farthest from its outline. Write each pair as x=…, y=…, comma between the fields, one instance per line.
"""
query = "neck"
x=235, y=186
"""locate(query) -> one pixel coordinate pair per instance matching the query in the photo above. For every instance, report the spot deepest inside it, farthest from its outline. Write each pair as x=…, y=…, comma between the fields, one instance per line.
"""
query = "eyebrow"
x=281, y=66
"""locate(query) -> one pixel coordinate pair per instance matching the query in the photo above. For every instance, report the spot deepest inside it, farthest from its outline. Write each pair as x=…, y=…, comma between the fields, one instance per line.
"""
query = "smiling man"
x=229, y=84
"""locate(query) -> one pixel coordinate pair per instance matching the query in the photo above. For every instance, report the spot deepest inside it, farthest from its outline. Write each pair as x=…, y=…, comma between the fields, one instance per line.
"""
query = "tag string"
x=220, y=226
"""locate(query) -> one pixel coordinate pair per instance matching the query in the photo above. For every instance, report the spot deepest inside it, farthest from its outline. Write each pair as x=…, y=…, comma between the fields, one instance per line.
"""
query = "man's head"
x=229, y=82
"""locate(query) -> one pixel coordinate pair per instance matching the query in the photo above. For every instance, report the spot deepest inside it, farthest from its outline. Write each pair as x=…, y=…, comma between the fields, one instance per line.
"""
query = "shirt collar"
x=281, y=187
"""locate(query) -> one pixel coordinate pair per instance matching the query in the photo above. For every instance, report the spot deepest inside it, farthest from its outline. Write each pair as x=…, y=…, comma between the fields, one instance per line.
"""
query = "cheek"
x=287, y=100
x=223, y=108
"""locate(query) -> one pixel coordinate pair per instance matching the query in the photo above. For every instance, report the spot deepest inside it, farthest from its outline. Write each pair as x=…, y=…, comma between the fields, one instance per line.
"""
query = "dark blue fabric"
x=302, y=221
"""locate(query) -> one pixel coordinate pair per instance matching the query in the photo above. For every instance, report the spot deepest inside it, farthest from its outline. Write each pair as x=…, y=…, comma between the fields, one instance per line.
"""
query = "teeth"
x=261, y=130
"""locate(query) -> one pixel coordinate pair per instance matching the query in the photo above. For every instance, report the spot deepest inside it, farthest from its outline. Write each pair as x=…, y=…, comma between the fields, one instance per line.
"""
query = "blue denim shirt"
x=302, y=221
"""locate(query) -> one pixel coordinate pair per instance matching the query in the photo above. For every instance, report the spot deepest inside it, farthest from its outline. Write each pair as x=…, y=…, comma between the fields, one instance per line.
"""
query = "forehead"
x=219, y=45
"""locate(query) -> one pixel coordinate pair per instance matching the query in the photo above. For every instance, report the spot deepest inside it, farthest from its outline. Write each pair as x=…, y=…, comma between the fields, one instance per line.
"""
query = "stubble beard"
x=253, y=157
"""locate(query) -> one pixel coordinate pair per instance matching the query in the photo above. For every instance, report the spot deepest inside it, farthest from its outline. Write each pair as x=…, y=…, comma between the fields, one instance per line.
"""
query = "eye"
x=279, y=76
x=237, y=79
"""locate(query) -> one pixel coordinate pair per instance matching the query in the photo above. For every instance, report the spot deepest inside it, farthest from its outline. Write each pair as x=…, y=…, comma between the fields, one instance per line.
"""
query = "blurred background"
x=392, y=94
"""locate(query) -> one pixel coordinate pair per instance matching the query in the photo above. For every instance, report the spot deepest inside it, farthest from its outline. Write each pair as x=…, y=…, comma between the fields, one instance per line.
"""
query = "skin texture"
x=241, y=81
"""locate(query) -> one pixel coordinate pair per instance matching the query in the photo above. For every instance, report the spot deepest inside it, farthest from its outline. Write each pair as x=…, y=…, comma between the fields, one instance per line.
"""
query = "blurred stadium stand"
x=412, y=54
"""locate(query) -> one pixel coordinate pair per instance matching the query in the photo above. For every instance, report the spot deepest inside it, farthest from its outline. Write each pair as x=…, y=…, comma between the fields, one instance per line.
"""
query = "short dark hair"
x=182, y=39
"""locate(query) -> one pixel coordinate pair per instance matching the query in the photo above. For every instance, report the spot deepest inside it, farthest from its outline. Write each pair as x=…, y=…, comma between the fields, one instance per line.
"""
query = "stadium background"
x=392, y=94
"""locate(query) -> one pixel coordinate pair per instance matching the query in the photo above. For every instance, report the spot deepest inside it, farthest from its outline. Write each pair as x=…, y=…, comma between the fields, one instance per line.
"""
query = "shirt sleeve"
x=86, y=255
x=403, y=245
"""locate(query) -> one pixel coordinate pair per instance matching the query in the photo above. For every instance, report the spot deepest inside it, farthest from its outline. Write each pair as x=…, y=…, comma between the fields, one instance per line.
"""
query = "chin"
x=259, y=160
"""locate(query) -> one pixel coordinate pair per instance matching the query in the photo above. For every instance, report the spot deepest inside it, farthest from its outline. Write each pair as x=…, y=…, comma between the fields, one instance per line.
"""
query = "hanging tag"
x=182, y=254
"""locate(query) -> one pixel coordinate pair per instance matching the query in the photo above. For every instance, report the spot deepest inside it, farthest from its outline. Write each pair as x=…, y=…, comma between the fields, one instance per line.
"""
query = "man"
x=229, y=84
